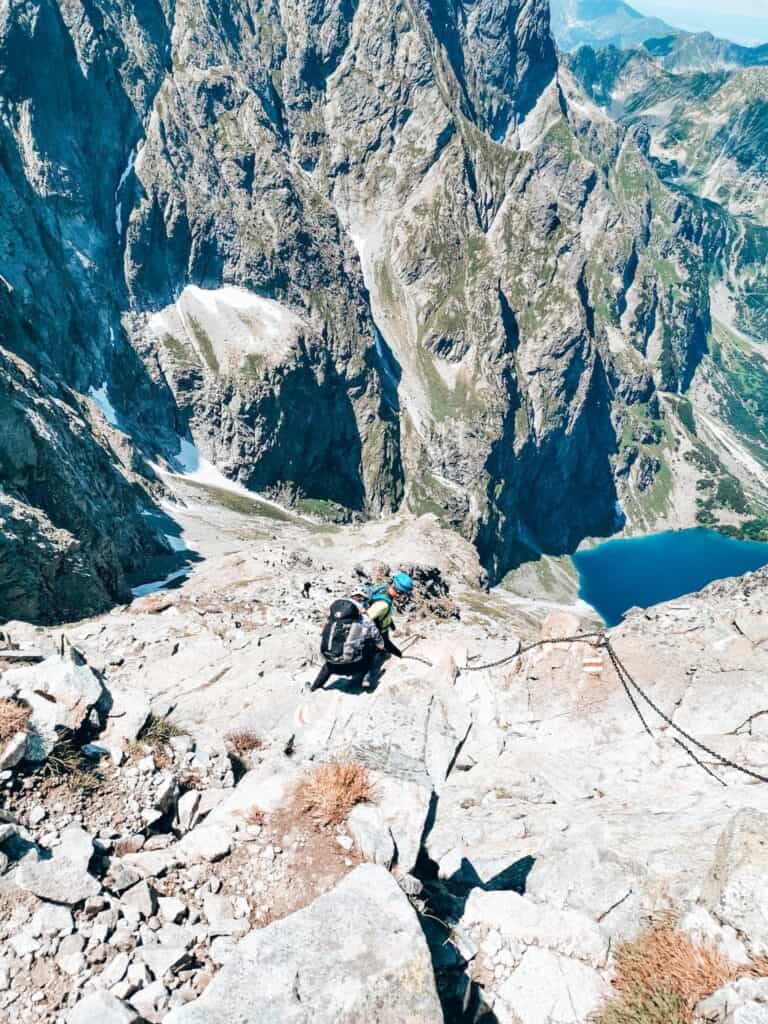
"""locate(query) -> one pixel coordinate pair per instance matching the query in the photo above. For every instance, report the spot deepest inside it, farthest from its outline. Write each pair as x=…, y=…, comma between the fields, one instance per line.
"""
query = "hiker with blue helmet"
x=358, y=629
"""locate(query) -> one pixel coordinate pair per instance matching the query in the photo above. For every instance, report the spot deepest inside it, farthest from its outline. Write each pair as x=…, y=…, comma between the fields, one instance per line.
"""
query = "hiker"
x=355, y=636
x=380, y=603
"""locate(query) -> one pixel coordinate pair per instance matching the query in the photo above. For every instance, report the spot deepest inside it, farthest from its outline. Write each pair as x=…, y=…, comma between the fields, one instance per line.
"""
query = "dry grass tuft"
x=158, y=731
x=330, y=792
x=244, y=741
x=153, y=604
x=13, y=718
x=663, y=974
x=255, y=816
x=68, y=763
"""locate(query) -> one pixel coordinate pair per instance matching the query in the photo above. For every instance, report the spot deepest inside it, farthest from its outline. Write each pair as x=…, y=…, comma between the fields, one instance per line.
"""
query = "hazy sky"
x=744, y=21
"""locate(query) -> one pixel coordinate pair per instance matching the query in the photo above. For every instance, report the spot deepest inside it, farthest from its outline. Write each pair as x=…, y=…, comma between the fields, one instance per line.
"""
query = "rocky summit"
x=478, y=833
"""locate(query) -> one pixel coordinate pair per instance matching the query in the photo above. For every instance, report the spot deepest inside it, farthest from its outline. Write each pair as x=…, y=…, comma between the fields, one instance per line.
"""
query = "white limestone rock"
x=308, y=967
x=64, y=876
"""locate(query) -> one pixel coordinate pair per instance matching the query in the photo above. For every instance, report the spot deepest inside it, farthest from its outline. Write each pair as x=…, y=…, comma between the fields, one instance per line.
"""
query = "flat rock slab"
x=549, y=989
x=64, y=877
x=356, y=954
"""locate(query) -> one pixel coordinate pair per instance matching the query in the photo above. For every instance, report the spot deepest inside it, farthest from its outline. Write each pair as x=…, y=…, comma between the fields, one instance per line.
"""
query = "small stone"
x=23, y=944
x=123, y=939
x=150, y=1001
x=206, y=843
x=64, y=877
x=161, y=959
x=123, y=989
x=37, y=815
x=115, y=970
x=171, y=909
x=182, y=744
x=217, y=908
x=104, y=1008
x=165, y=796
x=139, y=975
x=121, y=877
x=141, y=898
x=51, y=919
x=93, y=906
x=13, y=751
x=129, y=844
x=72, y=964
x=187, y=810
x=97, y=954
x=72, y=944
x=158, y=842
x=202, y=981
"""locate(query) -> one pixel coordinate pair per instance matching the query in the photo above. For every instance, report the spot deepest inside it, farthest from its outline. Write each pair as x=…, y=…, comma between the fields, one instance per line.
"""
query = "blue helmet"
x=403, y=583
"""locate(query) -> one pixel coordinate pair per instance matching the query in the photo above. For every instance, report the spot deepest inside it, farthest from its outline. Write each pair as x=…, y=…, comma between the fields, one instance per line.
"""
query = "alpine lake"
x=642, y=571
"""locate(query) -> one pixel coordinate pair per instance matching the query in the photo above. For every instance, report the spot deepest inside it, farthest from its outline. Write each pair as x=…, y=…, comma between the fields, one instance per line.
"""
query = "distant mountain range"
x=601, y=23
x=709, y=130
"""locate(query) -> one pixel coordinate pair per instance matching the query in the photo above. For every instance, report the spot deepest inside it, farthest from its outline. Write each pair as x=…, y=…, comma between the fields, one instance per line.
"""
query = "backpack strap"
x=381, y=593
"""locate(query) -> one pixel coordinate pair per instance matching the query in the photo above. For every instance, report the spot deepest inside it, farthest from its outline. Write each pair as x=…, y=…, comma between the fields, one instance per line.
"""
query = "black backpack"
x=343, y=639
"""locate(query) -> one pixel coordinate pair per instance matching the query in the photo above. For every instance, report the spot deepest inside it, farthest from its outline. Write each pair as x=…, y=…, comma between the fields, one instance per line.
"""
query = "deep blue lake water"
x=641, y=571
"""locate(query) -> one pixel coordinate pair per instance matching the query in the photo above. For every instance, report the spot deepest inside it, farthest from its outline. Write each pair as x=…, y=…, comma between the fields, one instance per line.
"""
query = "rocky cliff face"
x=362, y=255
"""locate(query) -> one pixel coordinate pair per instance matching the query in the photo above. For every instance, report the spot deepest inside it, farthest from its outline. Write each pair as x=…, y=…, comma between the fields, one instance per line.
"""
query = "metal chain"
x=691, y=739
x=627, y=681
x=531, y=647
x=700, y=763
x=620, y=673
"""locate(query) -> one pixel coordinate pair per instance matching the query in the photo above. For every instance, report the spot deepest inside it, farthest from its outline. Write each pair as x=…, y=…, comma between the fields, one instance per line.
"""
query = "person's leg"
x=374, y=670
x=322, y=677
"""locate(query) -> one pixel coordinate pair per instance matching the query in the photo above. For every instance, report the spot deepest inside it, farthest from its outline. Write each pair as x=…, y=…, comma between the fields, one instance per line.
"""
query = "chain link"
x=620, y=673
x=531, y=647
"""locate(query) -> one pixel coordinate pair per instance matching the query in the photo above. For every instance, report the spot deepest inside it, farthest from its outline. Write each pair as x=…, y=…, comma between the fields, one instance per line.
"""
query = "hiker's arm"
x=389, y=646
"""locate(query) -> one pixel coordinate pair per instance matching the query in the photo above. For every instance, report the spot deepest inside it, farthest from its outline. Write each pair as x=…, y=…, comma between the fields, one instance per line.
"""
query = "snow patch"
x=101, y=397
x=118, y=200
x=193, y=467
x=152, y=588
x=224, y=325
